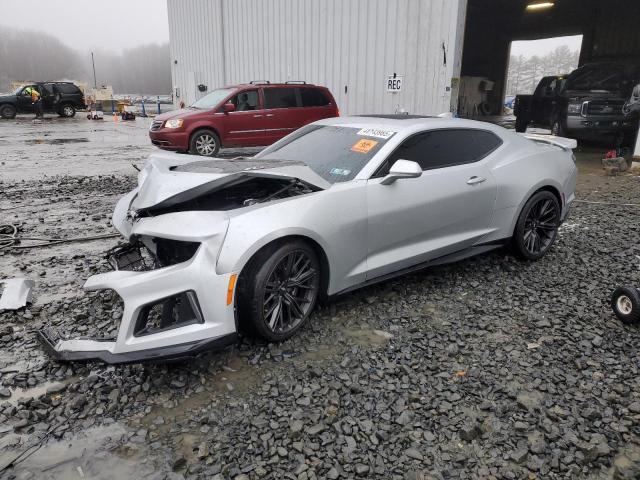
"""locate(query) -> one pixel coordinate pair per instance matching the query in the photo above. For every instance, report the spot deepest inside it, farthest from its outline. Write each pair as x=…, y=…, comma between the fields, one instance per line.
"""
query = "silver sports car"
x=250, y=244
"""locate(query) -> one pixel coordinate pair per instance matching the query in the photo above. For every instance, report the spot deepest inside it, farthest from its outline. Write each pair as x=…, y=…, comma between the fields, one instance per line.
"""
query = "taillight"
x=338, y=110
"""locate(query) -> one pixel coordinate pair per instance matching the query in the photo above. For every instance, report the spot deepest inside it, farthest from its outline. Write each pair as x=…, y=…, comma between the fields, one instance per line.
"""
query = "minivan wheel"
x=8, y=111
x=204, y=142
x=67, y=111
x=537, y=226
x=278, y=291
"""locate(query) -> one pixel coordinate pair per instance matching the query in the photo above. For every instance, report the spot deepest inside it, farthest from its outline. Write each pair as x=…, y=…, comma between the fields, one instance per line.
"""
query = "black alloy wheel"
x=278, y=291
x=290, y=292
x=537, y=226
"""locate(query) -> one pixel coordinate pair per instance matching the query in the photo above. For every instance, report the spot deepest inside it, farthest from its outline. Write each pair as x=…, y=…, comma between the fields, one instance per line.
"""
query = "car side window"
x=313, y=97
x=246, y=101
x=280, y=98
x=443, y=148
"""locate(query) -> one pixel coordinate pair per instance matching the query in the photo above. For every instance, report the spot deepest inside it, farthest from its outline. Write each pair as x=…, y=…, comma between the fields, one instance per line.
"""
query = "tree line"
x=525, y=72
x=27, y=55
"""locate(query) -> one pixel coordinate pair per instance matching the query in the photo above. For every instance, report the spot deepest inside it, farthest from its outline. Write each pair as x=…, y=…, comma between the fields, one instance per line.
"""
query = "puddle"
x=368, y=337
x=97, y=453
x=323, y=352
x=236, y=378
x=55, y=141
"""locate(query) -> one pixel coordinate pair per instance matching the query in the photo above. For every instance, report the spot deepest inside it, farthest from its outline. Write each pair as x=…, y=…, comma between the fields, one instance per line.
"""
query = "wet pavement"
x=489, y=368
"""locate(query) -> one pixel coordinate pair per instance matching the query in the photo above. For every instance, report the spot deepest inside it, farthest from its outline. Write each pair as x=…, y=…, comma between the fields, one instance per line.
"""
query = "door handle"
x=475, y=180
x=269, y=114
x=257, y=116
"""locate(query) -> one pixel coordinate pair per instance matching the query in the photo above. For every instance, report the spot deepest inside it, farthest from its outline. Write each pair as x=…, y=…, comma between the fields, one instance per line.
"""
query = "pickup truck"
x=584, y=104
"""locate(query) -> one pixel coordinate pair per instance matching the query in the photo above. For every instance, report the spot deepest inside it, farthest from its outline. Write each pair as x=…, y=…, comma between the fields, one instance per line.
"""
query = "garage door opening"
x=530, y=60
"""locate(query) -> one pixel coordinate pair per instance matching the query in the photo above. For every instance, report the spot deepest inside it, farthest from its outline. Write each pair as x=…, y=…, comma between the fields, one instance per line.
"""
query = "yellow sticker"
x=364, y=145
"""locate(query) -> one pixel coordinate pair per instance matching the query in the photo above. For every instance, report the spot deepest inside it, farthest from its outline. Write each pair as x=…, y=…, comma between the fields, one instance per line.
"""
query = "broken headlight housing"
x=149, y=253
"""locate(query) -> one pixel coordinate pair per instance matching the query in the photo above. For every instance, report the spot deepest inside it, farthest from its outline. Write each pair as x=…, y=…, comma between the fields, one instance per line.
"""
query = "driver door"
x=24, y=100
x=445, y=210
x=244, y=127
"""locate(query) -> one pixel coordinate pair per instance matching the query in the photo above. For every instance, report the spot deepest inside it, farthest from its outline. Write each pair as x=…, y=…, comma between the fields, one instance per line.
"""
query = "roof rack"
x=256, y=82
x=300, y=82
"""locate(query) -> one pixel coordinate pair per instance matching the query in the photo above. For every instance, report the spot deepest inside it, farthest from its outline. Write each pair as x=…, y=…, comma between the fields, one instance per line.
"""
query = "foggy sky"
x=84, y=24
x=528, y=48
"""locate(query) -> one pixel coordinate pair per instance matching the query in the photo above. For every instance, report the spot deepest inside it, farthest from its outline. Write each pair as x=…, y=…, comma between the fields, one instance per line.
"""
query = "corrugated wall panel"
x=342, y=44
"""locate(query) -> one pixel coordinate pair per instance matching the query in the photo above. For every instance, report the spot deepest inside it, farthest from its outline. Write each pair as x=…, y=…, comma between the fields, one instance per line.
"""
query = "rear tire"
x=537, y=226
x=625, y=303
x=204, y=142
x=521, y=124
x=67, y=110
x=8, y=112
x=278, y=290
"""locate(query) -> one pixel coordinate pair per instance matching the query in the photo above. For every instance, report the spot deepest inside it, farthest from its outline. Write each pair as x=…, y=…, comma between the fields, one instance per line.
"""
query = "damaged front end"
x=163, y=291
x=175, y=302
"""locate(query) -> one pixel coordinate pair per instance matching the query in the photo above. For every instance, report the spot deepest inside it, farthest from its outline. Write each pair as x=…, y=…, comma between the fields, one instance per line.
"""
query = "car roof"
x=409, y=123
x=264, y=84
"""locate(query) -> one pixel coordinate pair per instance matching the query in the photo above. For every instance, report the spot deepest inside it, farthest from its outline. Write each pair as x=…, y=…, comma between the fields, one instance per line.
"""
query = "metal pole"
x=95, y=84
x=158, y=104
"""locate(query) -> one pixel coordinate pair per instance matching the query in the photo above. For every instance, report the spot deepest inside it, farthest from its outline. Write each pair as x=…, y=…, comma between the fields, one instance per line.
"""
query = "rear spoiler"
x=562, y=142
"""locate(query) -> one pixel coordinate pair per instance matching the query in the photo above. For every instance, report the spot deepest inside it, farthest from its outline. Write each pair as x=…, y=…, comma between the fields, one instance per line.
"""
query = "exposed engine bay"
x=243, y=192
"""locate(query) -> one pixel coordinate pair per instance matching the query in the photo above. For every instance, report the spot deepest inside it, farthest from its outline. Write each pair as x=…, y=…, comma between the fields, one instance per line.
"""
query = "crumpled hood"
x=170, y=178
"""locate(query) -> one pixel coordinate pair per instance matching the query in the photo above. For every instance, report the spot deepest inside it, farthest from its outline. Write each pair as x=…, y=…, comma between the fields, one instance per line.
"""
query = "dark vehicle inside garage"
x=586, y=103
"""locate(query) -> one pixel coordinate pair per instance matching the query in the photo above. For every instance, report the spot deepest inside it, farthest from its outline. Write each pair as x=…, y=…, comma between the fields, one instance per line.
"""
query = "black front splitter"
x=49, y=338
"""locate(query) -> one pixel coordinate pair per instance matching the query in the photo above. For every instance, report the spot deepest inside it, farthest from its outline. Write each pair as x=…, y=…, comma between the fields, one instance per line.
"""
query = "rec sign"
x=394, y=83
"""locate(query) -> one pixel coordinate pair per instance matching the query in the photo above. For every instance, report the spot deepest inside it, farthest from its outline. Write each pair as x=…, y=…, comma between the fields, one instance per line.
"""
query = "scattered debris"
x=15, y=293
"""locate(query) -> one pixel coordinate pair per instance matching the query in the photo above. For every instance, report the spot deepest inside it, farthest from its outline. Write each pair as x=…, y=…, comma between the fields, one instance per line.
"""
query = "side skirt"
x=450, y=258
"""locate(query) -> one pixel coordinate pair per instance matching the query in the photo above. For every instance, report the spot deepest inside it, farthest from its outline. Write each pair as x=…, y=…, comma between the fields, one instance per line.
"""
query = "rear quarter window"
x=313, y=97
x=68, y=88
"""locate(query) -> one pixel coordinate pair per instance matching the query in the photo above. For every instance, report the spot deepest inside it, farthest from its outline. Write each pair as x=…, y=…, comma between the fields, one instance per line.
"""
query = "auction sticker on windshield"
x=364, y=146
x=376, y=132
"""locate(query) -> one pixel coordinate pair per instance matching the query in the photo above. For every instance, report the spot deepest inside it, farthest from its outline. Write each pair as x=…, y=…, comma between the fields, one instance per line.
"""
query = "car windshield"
x=337, y=154
x=213, y=99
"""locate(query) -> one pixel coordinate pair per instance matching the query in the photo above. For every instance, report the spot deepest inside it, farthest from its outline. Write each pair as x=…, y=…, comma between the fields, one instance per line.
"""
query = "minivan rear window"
x=280, y=98
x=313, y=97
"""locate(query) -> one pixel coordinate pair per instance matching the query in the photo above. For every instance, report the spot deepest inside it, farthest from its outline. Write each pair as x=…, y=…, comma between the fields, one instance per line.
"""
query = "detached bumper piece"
x=56, y=348
x=174, y=306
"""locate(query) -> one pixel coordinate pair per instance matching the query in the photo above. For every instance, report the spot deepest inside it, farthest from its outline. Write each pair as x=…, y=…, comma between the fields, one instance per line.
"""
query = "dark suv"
x=246, y=115
x=63, y=98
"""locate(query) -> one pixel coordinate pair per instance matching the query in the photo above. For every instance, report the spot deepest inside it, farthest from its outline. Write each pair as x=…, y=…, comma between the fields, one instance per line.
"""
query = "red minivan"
x=248, y=115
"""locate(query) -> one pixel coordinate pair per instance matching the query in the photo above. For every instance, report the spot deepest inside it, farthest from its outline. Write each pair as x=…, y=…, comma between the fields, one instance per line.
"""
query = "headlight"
x=175, y=123
x=574, y=108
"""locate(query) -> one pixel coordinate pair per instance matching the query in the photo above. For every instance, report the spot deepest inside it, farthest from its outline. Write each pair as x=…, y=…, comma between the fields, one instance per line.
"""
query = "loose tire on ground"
x=521, y=124
x=278, y=290
x=205, y=143
x=8, y=111
x=537, y=226
x=625, y=303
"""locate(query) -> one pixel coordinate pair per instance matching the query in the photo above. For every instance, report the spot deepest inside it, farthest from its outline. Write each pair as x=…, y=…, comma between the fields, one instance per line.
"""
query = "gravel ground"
x=488, y=368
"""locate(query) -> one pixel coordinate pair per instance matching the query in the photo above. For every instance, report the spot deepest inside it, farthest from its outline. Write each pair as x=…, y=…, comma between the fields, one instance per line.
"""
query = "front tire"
x=8, y=112
x=537, y=226
x=625, y=303
x=278, y=290
x=205, y=143
x=67, y=111
x=521, y=124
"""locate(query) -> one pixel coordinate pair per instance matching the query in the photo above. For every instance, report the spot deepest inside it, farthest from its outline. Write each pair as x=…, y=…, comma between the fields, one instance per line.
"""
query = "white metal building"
x=377, y=56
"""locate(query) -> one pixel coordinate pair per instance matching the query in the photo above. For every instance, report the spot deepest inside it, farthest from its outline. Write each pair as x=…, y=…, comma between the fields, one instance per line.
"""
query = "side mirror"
x=402, y=169
x=229, y=107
